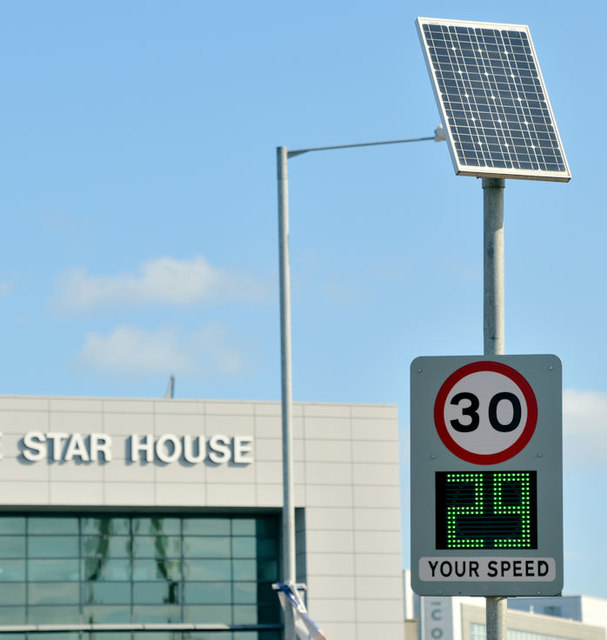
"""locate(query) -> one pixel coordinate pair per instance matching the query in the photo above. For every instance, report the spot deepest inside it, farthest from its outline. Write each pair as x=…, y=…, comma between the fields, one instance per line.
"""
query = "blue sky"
x=138, y=207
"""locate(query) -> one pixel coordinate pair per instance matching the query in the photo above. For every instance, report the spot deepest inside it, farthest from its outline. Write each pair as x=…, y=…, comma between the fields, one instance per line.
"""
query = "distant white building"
x=463, y=618
x=586, y=609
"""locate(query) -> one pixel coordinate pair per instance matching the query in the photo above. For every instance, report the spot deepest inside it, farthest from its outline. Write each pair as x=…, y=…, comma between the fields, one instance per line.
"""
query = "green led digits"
x=501, y=506
x=486, y=510
x=471, y=505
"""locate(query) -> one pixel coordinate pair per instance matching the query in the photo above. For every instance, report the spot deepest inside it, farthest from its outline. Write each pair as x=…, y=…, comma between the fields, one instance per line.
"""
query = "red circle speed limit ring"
x=485, y=412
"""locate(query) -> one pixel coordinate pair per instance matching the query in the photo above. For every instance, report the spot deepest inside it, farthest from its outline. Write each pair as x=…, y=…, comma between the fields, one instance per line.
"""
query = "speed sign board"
x=486, y=475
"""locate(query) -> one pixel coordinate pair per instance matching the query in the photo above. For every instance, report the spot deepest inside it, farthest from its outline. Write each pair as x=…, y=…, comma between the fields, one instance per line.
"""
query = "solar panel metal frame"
x=480, y=170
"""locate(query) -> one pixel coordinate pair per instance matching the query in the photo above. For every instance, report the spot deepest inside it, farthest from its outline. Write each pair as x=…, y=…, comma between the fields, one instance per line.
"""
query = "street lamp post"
x=288, y=510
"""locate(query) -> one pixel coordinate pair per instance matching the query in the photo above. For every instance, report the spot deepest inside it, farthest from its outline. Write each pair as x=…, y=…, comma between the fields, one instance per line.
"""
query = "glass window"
x=12, y=570
x=157, y=526
x=115, y=569
x=207, y=593
x=156, y=592
x=12, y=615
x=207, y=614
x=12, y=524
x=207, y=570
x=47, y=526
x=206, y=526
x=96, y=569
x=243, y=527
x=53, y=547
x=245, y=570
x=53, y=593
x=13, y=594
x=156, y=546
x=106, y=592
x=106, y=526
x=12, y=546
x=156, y=569
x=206, y=547
x=106, y=614
x=157, y=613
x=267, y=570
x=166, y=635
x=244, y=547
x=51, y=615
x=106, y=546
x=245, y=614
x=53, y=570
x=245, y=592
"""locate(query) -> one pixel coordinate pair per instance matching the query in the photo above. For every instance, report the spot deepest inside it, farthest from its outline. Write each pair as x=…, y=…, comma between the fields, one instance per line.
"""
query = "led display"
x=486, y=510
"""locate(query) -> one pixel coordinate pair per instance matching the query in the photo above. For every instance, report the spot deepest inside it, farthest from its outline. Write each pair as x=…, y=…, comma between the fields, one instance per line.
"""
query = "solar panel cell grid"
x=494, y=104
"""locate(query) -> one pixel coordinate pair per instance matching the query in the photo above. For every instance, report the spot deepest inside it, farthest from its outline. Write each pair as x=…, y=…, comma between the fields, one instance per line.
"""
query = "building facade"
x=160, y=519
x=545, y=618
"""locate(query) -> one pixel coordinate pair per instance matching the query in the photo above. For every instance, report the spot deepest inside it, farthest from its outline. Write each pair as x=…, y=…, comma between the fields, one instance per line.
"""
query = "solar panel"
x=493, y=100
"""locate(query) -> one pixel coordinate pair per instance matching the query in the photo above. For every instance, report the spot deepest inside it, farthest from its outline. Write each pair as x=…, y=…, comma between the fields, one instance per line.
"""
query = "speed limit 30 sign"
x=486, y=475
x=485, y=412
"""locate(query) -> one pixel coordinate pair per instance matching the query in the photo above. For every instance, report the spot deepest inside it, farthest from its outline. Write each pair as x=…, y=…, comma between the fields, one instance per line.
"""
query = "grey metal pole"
x=288, y=509
x=493, y=333
x=493, y=284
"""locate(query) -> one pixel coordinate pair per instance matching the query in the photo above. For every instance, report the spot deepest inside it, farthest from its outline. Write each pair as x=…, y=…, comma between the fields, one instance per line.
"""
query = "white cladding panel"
x=158, y=454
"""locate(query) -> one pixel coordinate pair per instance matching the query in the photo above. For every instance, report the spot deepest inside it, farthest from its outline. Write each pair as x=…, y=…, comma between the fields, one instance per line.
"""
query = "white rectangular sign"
x=487, y=568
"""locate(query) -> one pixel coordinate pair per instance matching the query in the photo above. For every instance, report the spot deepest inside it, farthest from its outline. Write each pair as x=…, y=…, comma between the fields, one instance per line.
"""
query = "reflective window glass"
x=169, y=635
x=245, y=614
x=244, y=547
x=245, y=570
x=12, y=570
x=12, y=593
x=207, y=593
x=156, y=569
x=106, y=592
x=206, y=547
x=47, y=526
x=157, y=613
x=156, y=546
x=53, y=570
x=120, y=569
x=106, y=526
x=51, y=615
x=97, y=569
x=12, y=524
x=12, y=546
x=106, y=546
x=267, y=570
x=245, y=592
x=207, y=570
x=106, y=614
x=53, y=593
x=206, y=526
x=12, y=615
x=243, y=526
x=207, y=614
x=53, y=547
x=157, y=526
x=156, y=592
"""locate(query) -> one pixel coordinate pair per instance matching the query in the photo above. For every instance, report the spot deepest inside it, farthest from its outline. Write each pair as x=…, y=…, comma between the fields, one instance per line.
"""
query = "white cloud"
x=5, y=289
x=132, y=351
x=585, y=426
x=162, y=281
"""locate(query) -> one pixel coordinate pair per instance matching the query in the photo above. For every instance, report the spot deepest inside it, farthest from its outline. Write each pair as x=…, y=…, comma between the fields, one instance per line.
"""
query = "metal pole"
x=493, y=333
x=288, y=509
x=493, y=210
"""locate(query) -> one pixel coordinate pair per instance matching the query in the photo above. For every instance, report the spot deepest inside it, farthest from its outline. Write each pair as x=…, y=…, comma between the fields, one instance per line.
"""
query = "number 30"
x=470, y=411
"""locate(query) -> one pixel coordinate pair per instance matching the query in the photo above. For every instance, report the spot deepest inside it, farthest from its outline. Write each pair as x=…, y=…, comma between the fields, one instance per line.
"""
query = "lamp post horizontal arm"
x=438, y=136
